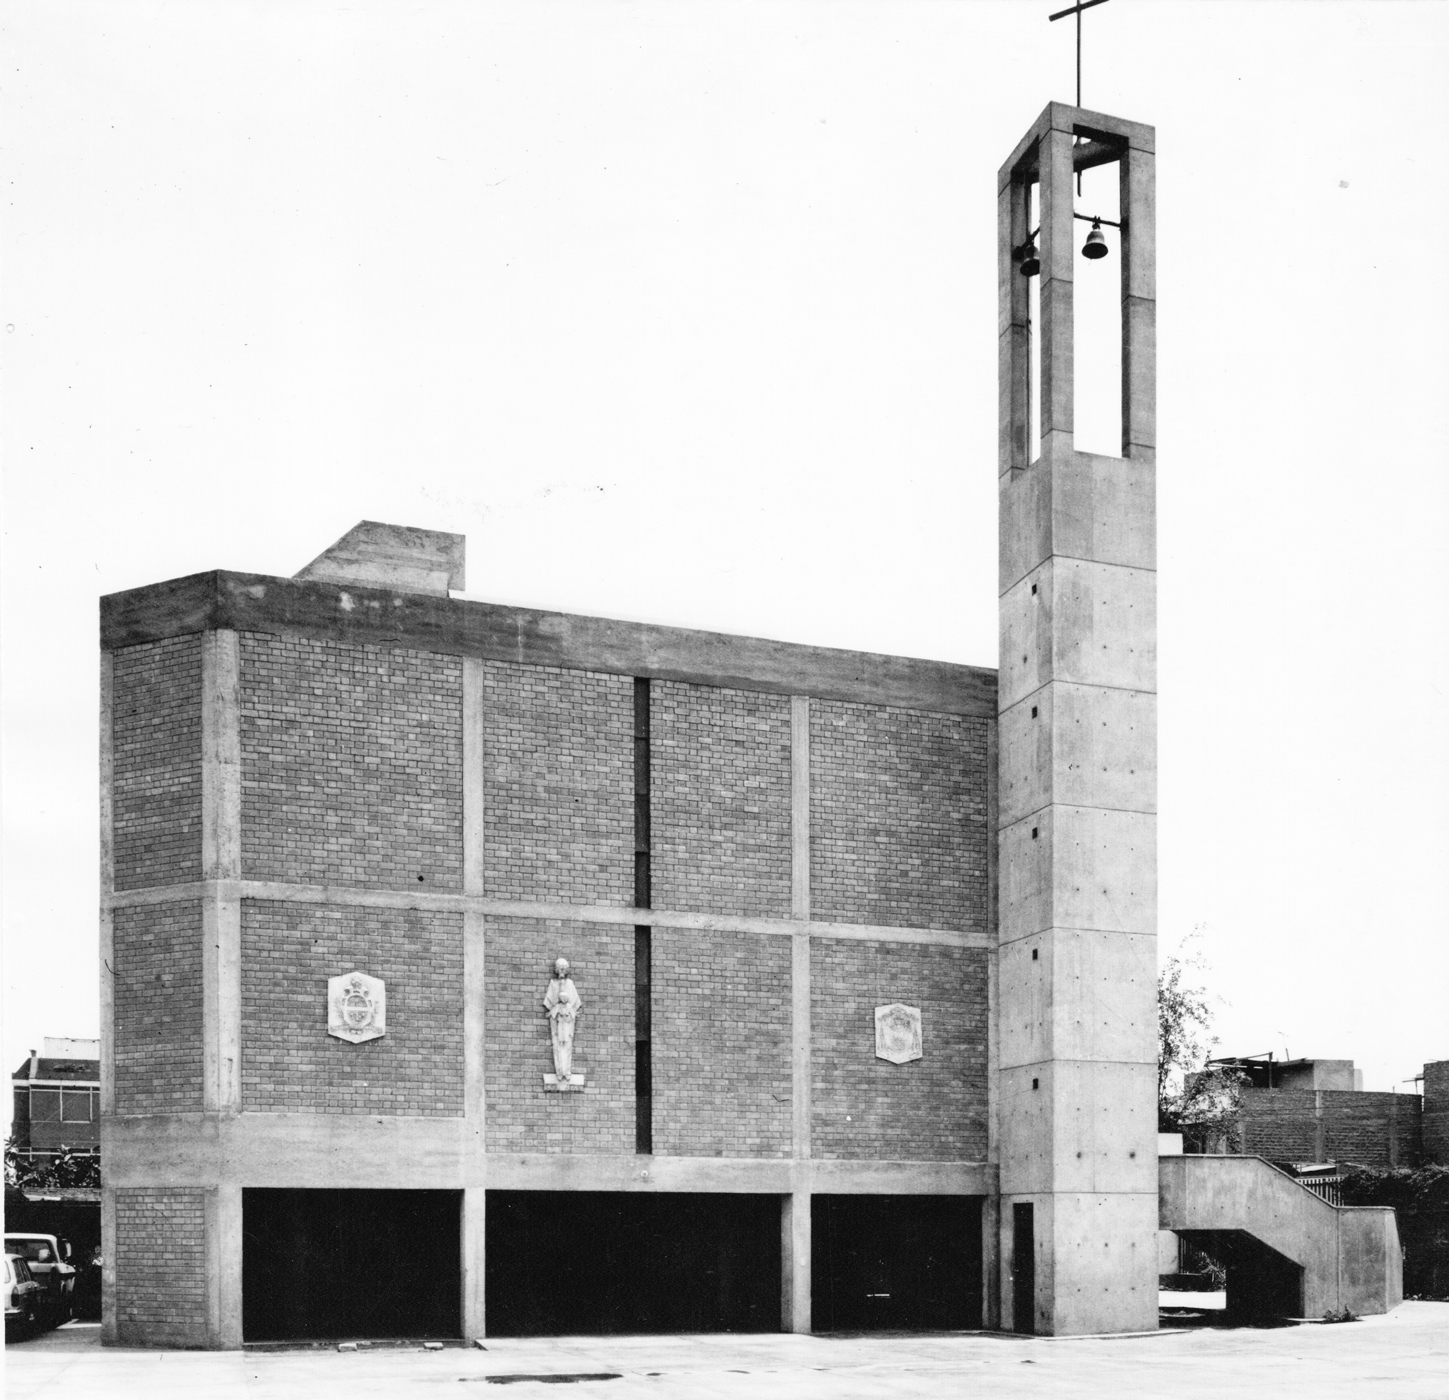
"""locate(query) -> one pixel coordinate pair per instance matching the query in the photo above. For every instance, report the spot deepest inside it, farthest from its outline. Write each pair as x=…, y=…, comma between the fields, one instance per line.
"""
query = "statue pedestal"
x=552, y=1084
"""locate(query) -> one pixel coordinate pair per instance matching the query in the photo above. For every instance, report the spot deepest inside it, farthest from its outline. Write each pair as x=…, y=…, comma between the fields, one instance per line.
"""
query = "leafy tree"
x=1193, y=1098
x=64, y=1168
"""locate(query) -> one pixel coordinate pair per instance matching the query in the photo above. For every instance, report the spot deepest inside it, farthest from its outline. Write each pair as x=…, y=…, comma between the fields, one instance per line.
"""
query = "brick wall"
x=558, y=807
x=156, y=738
x=721, y=1044
x=1331, y=1125
x=932, y=1109
x=521, y=1117
x=161, y=1266
x=158, y=998
x=720, y=800
x=352, y=764
x=1436, y=1112
x=289, y=1062
x=898, y=817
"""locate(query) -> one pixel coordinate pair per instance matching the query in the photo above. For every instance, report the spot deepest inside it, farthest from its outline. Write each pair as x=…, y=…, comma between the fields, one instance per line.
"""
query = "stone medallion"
x=356, y=1007
x=898, y=1033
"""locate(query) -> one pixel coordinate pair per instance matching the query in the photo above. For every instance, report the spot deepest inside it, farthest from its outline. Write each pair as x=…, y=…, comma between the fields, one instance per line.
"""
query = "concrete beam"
x=490, y=631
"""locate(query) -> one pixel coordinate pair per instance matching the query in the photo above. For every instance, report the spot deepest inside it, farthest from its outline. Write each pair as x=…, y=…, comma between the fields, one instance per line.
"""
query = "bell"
x=1096, y=244
x=1030, y=261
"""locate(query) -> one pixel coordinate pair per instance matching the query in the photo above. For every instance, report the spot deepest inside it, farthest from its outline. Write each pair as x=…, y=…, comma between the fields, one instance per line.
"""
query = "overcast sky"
x=685, y=312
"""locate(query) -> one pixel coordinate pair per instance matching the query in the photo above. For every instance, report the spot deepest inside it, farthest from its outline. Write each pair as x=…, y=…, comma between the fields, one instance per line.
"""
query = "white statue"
x=562, y=1003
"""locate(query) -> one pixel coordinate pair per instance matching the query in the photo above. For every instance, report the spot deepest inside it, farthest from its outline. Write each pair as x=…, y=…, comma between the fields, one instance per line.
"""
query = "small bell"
x=1096, y=244
x=1030, y=260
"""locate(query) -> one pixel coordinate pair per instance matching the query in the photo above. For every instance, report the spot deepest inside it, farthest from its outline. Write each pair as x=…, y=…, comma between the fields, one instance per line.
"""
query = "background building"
x=57, y=1099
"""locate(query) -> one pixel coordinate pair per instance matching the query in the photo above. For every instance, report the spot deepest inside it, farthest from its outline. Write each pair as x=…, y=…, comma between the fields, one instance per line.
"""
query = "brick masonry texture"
x=898, y=821
x=721, y=1044
x=156, y=738
x=932, y=1109
x=352, y=764
x=158, y=998
x=1330, y=1125
x=289, y=1062
x=1436, y=1112
x=521, y=1117
x=161, y=1266
x=558, y=805
x=720, y=800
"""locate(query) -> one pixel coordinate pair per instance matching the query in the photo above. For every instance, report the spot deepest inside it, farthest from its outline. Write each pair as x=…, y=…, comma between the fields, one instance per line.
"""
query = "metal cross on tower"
x=1077, y=10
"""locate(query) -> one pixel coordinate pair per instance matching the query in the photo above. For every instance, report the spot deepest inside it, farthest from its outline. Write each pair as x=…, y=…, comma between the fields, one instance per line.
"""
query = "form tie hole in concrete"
x=1036, y=1083
x=1033, y=590
x=1033, y=833
x=1033, y=711
x=1033, y=954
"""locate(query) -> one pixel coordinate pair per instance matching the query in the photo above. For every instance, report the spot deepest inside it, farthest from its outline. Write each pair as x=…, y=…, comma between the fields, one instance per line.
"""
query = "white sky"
x=686, y=312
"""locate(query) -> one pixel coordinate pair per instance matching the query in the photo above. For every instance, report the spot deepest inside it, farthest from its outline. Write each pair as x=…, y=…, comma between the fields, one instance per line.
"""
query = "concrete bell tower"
x=1077, y=957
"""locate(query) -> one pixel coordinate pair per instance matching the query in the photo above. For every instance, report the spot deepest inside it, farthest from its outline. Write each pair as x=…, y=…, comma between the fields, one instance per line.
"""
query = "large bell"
x=1096, y=244
x=1030, y=261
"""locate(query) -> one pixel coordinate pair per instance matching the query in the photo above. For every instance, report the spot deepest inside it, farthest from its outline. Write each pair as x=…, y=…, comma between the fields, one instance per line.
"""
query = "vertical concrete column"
x=221, y=964
x=1076, y=927
x=221, y=870
x=224, y=1267
x=474, y=952
x=109, y=1335
x=108, y=888
x=795, y=1262
x=1013, y=375
x=795, y=1208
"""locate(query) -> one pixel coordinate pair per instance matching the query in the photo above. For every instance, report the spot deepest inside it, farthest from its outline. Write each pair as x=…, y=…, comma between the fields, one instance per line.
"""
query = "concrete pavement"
x=1404, y=1354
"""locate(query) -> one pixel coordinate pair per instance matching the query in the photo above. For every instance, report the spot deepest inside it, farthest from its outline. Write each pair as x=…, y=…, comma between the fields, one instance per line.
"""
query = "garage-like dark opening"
x=561, y=1262
x=323, y=1265
x=895, y=1263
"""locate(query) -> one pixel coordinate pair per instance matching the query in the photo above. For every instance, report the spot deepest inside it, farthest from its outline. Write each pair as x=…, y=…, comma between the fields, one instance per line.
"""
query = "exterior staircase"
x=1287, y=1251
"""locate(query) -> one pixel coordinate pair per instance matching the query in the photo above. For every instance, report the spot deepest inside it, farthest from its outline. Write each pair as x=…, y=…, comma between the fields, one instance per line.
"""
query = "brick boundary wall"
x=290, y=1064
x=720, y=800
x=1436, y=1112
x=156, y=957
x=721, y=1044
x=931, y=1109
x=352, y=763
x=898, y=817
x=520, y=1115
x=558, y=801
x=1331, y=1125
x=161, y=1277
x=156, y=745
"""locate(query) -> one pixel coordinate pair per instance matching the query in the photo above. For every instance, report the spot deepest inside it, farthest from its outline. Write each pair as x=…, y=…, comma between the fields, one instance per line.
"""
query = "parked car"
x=48, y=1258
x=24, y=1297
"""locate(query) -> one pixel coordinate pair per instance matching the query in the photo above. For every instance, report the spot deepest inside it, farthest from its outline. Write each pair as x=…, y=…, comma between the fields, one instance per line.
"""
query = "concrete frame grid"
x=1077, y=715
x=224, y=1147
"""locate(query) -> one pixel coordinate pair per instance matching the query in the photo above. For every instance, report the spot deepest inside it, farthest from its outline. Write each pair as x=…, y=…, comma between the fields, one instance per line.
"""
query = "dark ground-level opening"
x=1262, y=1284
x=908, y=1263
x=336, y=1264
x=561, y=1262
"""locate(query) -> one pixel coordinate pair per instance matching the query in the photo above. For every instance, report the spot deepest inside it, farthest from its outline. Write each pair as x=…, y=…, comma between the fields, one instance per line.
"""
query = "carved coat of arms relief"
x=356, y=1007
x=898, y=1033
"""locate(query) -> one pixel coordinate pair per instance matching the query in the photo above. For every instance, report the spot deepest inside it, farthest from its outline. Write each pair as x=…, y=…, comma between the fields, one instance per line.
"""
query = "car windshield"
x=38, y=1250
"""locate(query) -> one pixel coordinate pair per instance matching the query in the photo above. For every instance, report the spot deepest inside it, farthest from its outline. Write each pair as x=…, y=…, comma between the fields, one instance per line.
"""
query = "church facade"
x=471, y=969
